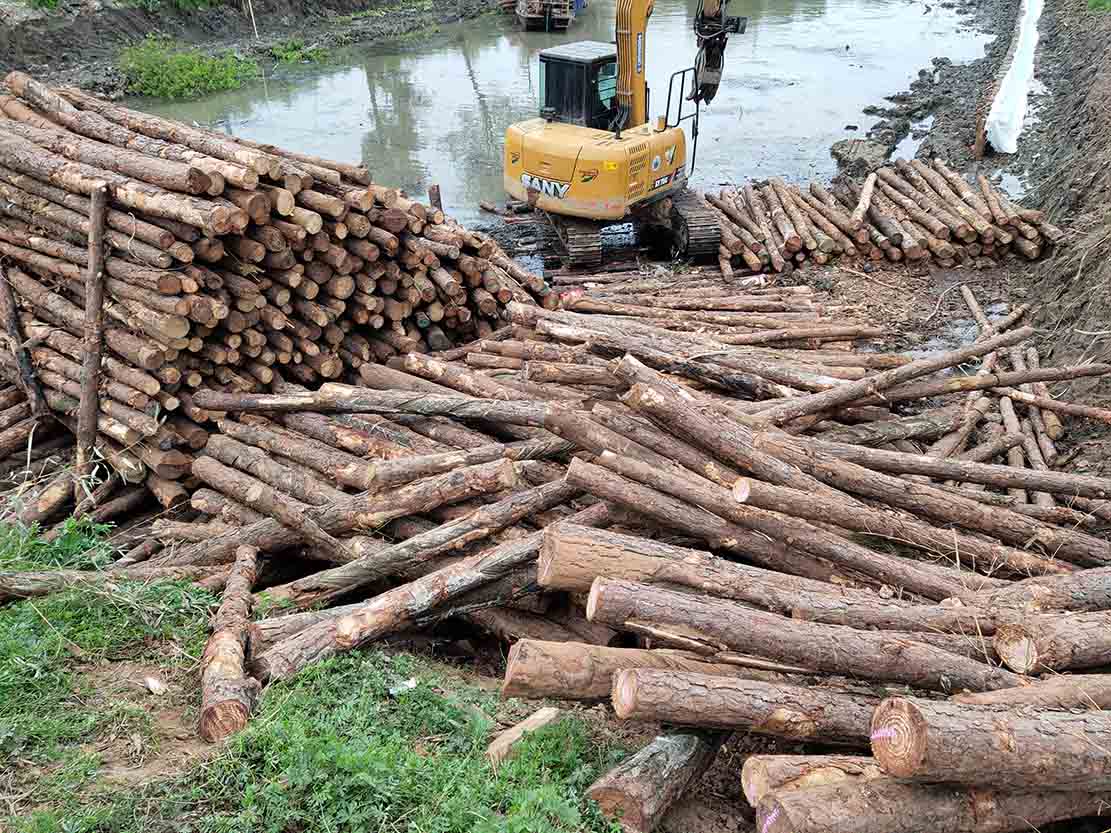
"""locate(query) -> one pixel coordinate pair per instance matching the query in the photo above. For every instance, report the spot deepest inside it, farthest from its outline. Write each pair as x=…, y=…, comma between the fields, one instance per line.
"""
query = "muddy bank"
x=79, y=43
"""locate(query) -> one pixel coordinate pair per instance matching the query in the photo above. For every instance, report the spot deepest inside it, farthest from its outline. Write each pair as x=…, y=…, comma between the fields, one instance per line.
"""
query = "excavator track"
x=581, y=240
x=695, y=234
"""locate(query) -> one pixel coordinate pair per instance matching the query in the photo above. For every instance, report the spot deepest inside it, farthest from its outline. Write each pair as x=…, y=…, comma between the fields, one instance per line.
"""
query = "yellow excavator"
x=592, y=159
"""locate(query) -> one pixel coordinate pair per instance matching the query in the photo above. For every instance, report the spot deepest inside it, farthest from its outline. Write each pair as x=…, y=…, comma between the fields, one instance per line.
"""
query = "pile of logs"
x=746, y=525
x=213, y=263
x=909, y=212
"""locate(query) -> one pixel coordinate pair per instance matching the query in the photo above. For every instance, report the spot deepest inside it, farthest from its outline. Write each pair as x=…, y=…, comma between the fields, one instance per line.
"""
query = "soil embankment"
x=79, y=42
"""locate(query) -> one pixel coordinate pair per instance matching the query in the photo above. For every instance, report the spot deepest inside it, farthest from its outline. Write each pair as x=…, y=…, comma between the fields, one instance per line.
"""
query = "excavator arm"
x=712, y=29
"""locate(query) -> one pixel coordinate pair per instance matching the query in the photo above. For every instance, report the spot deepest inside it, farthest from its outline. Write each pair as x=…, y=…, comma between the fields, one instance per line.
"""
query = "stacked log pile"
x=713, y=536
x=907, y=212
x=226, y=264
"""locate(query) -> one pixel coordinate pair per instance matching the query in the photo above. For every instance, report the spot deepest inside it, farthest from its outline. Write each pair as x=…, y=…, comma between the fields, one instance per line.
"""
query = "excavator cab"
x=578, y=84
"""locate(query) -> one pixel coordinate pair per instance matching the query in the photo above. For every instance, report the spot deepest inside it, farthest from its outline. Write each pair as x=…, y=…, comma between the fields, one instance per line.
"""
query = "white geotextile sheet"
x=1008, y=110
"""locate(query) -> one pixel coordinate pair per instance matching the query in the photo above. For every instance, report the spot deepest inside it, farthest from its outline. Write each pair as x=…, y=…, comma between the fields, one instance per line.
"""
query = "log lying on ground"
x=639, y=790
x=578, y=671
x=994, y=746
x=227, y=693
x=825, y=648
x=503, y=746
x=26, y=585
x=780, y=710
x=1065, y=691
x=1055, y=643
x=762, y=775
x=886, y=805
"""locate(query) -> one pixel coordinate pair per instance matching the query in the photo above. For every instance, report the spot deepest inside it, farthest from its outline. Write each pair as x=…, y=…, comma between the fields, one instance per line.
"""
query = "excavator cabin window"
x=578, y=84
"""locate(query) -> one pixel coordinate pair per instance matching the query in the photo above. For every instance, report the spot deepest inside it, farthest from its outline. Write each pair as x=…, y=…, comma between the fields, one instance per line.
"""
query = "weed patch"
x=45, y=5
x=1100, y=5
x=294, y=51
x=157, y=67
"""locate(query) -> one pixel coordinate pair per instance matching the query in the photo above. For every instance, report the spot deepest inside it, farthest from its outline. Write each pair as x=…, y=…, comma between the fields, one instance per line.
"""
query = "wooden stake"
x=94, y=335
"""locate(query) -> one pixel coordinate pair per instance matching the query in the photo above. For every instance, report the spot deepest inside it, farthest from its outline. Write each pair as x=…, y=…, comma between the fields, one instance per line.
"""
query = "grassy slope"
x=366, y=741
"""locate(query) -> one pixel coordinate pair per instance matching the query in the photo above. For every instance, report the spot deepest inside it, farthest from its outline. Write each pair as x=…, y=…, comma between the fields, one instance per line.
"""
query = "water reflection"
x=436, y=113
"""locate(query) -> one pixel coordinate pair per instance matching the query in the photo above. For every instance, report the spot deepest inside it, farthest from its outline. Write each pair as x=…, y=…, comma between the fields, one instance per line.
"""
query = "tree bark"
x=885, y=805
x=326, y=585
x=1080, y=691
x=536, y=669
x=1055, y=643
x=919, y=578
x=894, y=657
x=363, y=511
x=227, y=693
x=828, y=715
x=639, y=791
x=993, y=746
x=1084, y=590
x=26, y=585
x=94, y=335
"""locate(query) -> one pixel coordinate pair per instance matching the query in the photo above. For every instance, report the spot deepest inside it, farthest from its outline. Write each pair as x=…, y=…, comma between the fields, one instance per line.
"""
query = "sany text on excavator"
x=592, y=159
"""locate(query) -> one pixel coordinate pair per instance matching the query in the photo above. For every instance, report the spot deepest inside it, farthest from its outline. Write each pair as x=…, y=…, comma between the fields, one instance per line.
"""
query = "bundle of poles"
x=908, y=211
x=748, y=526
x=172, y=259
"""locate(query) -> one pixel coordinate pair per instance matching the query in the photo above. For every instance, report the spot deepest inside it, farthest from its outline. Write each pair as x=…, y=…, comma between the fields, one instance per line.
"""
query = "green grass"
x=294, y=51
x=160, y=68
x=1100, y=5
x=364, y=741
x=45, y=5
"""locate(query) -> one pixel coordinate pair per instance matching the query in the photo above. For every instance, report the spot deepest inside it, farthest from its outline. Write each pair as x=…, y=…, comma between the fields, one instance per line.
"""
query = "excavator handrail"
x=681, y=76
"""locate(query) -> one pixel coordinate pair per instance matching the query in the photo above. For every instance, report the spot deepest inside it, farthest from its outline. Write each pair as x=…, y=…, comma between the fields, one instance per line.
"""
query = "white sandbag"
x=1008, y=110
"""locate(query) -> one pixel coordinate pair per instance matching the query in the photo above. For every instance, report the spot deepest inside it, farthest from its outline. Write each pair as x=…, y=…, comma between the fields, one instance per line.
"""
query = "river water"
x=435, y=111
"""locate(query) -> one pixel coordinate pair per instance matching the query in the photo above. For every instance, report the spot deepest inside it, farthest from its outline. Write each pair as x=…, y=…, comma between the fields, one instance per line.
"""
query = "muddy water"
x=436, y=110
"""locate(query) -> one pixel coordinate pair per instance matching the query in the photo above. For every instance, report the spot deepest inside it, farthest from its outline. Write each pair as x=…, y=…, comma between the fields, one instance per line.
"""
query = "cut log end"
x=898, y=737
x=1016, y=647
x=624, y=690
x=228, y=714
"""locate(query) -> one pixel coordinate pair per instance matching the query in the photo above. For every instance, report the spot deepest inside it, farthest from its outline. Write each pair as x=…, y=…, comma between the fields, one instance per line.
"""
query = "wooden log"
x=763, y=775
x=28, y=158
x=580, y=671
x=474, y=526
x=26, y=378
x=1053, y=427
x=1065, y=691
x=843, y=394
x=868, y=655
x=348, y=399
x=759, y=213
x=930, y=582
x=93, y=336
x=126, y=224
x=359, y=511
x=32, y=584
x=886, y=805
x=227, y=693
x=1085, y=590
x=504, y=746
x=50, y=501
x=1054, y=643
x=286, y=476
x=994, y=746
x=164, y=173
x=291, y=514
x=1047, y=404
x=777, y=709
x=1002, y=476
x=731, y=442
x=865, y=201
x=791, y=239
x=639, y=791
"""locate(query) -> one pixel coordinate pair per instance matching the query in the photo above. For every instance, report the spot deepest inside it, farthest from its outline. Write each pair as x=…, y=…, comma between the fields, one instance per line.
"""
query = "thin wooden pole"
x=9, y=320
x=94, y=333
